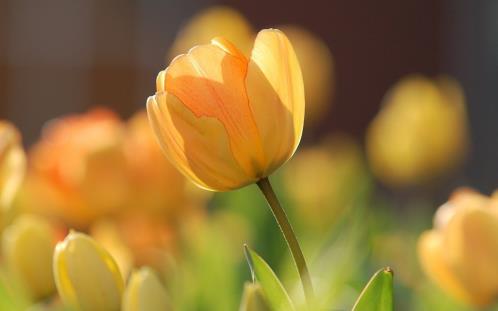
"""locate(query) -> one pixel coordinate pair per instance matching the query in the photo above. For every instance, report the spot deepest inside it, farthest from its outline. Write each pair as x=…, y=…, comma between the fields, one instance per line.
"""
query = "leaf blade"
x=273, y=290
x=378, y=293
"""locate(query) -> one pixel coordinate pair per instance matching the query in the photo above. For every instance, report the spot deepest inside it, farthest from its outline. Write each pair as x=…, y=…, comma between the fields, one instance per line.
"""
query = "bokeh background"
x=61, y=56
x=358, y=199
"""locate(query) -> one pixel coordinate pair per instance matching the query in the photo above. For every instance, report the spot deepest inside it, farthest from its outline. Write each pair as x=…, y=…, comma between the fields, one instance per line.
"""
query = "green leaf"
x=378, y=293
x=273, y=290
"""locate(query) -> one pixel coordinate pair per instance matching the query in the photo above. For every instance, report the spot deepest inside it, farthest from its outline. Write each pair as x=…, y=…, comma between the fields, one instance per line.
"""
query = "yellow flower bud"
x=12, y=163
x=420, y=133
x=145, y=292
x=461, y=252
x=87, y=277
x=226, y=121
x=253, y=299
x=28, y=246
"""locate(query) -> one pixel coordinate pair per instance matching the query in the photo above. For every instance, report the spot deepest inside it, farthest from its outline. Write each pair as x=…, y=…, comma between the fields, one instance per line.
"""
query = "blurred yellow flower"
x=216, y=21
x=253, y=299
x=12, y=163
x=87, y=277
x=317, y=64
x=27, y=248
x=226, y=121
x=461, y=252
x=333, y=172
x=145, y=292
x=78, y=168
x=420, y=133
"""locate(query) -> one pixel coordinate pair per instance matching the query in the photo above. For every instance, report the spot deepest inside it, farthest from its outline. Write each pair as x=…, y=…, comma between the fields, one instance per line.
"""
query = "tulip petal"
x=86, y=276
x=435, y=264
x=472, y=247
x=276, y=95
x=209, y=81
x=198, y=146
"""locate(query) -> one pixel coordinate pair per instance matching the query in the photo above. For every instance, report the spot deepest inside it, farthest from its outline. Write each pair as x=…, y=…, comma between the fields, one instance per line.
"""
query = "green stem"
x=289, y=235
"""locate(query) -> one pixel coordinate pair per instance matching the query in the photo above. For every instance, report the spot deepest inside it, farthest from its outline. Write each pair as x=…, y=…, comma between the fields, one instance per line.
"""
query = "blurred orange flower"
x=78, y=168
x=226, y=121
x=461, y=252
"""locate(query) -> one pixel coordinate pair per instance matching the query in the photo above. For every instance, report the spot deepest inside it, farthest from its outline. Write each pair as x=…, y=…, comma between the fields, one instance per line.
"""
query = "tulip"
x=12, y=163
x=145, y=292
x=27, y=246
x=79, y=168
x=420, y=134
x=253, y=299
x=461, y=252
x=86, y=276
x=226, y=121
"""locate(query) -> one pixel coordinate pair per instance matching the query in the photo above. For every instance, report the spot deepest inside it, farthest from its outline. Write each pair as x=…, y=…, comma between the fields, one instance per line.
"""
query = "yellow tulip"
x=214, y=22
x=253, y=299
x=226, y=121
x=420, y=133
x=12, y=163
x=27, y=246
x=461, y=252
x=87, y=277
x=145, y=292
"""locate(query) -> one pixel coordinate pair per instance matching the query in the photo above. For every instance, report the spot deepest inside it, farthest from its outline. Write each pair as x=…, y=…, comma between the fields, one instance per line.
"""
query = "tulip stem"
x=289, y=236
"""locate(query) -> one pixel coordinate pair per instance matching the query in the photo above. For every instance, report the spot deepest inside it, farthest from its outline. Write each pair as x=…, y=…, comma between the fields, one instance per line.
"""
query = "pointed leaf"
x=378, y=293
x=273, y=290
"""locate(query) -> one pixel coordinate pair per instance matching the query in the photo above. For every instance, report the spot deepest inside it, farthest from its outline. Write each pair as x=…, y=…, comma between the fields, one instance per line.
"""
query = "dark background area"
x=60, y=56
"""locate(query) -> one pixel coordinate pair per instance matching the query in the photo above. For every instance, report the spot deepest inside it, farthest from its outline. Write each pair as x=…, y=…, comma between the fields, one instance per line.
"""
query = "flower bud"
x=420, y=134
x=87, y=277
x=145, y=292
x=28, y=245
x=224, y=120
x=253, y=299
x=461, y=252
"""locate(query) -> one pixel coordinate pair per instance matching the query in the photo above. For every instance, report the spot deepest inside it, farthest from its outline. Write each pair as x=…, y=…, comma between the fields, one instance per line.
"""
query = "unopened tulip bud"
x=461, y=252
x=87, y=277
x=28, y=245
x=224, y=120
x=420, y=134
x=253, y=299
x=145, y=293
